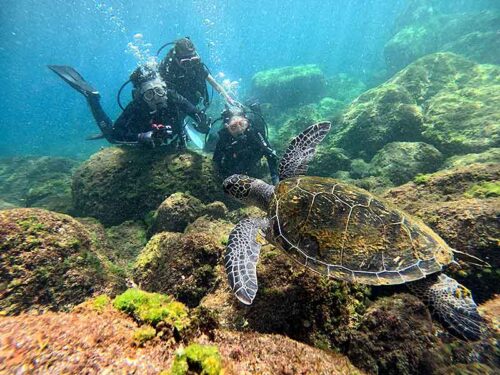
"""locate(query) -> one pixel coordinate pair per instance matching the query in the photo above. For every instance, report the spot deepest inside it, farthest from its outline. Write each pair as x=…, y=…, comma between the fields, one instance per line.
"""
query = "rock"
x=43, y=182
x=399, y=162
x=180, y=209
x=492, y=155
x=470, y=225
x=218, y=229
x=474, y=35
x=456, y=111
x=395, y=336
x=292, y=301
x=344, y=87
x=490, y=310
x=119, y=184
x=6, y=205
x=47, y=261
x=179, y=265
x=289, y=86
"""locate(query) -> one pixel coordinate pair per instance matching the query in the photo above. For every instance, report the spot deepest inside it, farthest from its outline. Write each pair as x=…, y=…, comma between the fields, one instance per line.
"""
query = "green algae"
x=202, y=359
x=152, y=308
x=99, y=303
x=143, y=334
x=487, y=189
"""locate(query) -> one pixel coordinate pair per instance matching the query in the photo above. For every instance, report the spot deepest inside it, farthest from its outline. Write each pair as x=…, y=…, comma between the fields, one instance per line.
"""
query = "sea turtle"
x=344, y=232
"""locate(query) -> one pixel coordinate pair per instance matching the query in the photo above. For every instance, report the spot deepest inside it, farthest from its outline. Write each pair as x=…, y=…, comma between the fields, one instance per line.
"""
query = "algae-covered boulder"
x=47, y=261
x=43, y=182
x=395, y=336
x=179, y=265
x=491, y=155
x=399, y=162
x=119, y=184
x=456, y=111
x=180, y=209
x=289, y=86
x=474, y=35
x=344, y=87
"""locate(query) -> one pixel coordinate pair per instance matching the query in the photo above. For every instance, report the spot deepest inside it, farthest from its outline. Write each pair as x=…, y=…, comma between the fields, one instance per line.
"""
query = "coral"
x=47, y=261
x=399, y=162
x=118, y=184
x=180, y=265
x=289, y=86
x=196, y=358
x=43, y=182
x=395, y=336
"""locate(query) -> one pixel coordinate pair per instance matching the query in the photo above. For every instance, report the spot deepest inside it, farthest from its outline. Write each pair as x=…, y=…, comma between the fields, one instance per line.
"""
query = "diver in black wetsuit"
x=154, y=116
x=183, y=70
x=241, y=145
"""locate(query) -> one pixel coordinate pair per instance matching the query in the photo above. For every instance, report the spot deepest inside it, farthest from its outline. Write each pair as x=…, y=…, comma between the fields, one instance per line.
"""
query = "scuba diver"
x=183, y=70
x=153, y=117
x=242, y=143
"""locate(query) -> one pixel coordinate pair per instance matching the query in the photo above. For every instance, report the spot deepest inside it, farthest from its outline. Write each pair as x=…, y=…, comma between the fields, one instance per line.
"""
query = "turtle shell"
x=345, y=232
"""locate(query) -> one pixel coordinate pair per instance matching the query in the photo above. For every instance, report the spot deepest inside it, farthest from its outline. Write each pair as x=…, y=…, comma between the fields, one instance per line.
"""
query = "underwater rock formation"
x=474, y=35
x=180, y=209
x=84, y=341
x=179, y=265
x=395, y=336
x=456, y=111
x=119, y=184
x=289, y=86
x=399, y=162
x=43, y=182
x=47, y=261
x=491, y=155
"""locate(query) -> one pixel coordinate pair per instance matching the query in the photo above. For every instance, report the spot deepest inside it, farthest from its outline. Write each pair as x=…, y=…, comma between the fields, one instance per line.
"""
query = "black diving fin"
x=74, y=79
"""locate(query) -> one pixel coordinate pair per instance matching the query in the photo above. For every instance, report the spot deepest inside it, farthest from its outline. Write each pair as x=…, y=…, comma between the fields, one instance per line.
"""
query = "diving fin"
x=74, y=79
x=95, y=137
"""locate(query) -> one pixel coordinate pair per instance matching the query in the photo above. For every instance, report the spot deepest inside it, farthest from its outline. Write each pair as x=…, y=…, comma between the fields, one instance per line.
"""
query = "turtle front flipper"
x=452, y=303
x=242, y=255
x=301, y=150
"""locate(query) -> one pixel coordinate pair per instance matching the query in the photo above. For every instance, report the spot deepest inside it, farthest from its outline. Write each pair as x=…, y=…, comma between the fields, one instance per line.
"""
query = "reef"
x=119, y=184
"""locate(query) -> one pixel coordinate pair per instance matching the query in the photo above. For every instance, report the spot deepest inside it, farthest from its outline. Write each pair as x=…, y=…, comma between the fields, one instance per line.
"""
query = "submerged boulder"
x=456, y=111
x=118, y=184
x=47, y=261
x=289, y=86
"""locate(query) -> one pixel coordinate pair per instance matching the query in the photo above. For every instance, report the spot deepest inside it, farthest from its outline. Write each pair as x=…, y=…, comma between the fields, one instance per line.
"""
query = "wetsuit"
x=242, y=154
x=137, y=118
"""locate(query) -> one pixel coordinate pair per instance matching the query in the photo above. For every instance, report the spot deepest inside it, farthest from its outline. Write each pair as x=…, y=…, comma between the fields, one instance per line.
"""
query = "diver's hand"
x=161, y=132
x=146, y=138
x=203, y=122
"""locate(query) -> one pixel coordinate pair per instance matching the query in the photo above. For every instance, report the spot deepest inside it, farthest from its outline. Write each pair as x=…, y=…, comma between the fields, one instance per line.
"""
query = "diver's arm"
x=220, y=90
x=219, y=154
x=202, y=123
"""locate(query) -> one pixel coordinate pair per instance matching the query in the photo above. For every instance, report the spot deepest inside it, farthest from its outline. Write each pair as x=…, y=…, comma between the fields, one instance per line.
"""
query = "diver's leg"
x=74, y=79
x=101, y=118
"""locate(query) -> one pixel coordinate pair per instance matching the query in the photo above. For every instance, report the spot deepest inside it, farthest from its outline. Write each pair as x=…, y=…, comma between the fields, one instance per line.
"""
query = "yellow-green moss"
x=486, y=189
x=143, y=334
x=204, y=359
x=152, y=308
x=99, y=303
x=421, y=179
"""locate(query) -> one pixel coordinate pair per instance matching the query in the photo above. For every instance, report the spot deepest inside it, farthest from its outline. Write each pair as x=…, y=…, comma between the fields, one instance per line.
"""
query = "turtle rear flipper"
x=301, y=150
x=453, y=304
x=242, y=255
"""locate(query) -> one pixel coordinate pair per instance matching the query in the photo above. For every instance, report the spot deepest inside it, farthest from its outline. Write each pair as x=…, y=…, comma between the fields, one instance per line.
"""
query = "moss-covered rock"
x=43, y=182
x=492, y=155
x=119, y=184
x=399, y=162
x=344, y=87
x=47, y=261
x=179, y=265
x=289, y=86
x=456, y=111
x=180, y=209
x=395, y=336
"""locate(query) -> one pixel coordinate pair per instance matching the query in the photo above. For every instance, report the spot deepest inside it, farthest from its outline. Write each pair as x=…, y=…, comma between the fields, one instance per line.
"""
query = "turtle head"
x=248, y=190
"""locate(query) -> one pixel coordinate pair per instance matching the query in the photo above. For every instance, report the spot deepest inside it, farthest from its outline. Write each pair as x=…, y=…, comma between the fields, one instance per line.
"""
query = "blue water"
x=40, y=115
